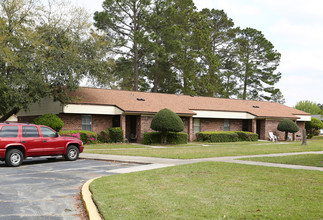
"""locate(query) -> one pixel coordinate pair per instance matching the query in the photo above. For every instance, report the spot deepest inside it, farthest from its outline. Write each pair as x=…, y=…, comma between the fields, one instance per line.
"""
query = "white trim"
x=304, y=117
x=223, y=114
x=91, y=109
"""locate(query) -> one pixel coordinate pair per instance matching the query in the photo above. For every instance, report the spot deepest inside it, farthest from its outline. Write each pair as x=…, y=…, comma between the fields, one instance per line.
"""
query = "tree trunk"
x=286, y=135
x=156, y=77
x=164, y=137
x=136, y=64
x=304, y=142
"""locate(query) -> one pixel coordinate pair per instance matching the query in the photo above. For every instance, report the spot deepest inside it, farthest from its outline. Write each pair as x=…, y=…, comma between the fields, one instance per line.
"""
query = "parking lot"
x=43, y=189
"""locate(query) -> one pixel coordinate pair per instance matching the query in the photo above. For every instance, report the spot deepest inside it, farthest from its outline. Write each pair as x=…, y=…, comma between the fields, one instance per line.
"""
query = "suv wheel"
x=72, y=153
x=14, y=158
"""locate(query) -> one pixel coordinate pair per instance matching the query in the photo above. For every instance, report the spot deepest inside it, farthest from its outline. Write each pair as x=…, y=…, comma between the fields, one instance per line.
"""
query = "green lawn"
x=111, y=146
x=315, y=160
x=197, y=150
x=211, y=191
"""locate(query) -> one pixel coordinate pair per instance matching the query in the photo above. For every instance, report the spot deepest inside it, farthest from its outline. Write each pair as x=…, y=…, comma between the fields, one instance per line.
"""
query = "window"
x=87, y=122
x=30, y=131
x=227, y=125
x=47, y=132
x=197, y=125
x=9, y=131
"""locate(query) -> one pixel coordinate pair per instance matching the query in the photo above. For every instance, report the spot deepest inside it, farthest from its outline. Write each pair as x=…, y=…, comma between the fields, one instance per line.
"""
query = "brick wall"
x=208, y=124
x=271, y=126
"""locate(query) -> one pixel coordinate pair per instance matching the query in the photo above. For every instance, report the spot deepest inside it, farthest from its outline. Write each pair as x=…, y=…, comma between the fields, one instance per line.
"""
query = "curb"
x=90, y=207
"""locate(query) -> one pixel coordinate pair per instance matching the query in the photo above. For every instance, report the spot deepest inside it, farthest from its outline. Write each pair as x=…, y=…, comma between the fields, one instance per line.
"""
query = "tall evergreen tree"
x=258, y=61
x=122, y=21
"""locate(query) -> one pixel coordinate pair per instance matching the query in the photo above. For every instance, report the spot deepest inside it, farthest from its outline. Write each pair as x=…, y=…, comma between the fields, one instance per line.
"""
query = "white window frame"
x=226, y=125
x=87, y=122
x=196, y=125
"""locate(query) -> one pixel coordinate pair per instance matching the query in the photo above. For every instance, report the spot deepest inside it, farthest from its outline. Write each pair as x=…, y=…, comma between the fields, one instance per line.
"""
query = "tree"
x=257, y=61
x=287, y=125
x=45, y=52
x=313, y=127
x=165, y=121
x=122, y=21
x=309, y=107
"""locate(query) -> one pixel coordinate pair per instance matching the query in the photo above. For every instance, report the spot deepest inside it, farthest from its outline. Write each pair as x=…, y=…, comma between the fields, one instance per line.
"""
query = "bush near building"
x=287, y=126
x=226, y=136
x=313, y=127
x=87, y=137
x=50, y=120
x=166, y=121
x=115, y=135
x=172, y=138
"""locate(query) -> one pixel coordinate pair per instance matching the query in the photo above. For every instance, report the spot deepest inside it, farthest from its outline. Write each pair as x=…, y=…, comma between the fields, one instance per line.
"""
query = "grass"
x=111, y=146
x=211, y=191
x=215, y=149
x=315, y=160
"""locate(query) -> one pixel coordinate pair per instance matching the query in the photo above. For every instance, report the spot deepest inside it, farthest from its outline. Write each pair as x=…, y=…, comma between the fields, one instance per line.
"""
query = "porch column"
x=123, y=126
x=190, y=129
x=254, y=126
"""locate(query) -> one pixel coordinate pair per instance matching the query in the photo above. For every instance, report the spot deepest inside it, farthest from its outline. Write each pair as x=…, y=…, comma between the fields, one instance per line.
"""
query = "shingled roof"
x=146, y=102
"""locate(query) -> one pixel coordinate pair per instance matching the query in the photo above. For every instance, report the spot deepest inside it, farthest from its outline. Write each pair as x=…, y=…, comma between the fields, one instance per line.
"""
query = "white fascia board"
x=304, y=117
x=91, y=109
x=45, y=106
x=223, y=114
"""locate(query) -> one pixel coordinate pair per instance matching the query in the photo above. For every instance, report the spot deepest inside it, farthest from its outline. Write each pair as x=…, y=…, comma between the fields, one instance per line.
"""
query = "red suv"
x=18, y=141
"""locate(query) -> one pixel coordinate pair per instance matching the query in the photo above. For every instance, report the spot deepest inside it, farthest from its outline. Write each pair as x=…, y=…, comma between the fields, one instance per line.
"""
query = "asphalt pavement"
x=42, y=189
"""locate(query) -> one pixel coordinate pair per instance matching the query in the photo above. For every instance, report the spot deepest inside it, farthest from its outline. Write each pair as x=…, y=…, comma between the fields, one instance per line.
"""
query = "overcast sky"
x=295, y=27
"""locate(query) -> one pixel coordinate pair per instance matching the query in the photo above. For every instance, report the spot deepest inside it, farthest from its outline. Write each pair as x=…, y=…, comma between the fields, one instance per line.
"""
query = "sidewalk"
x=151, y=162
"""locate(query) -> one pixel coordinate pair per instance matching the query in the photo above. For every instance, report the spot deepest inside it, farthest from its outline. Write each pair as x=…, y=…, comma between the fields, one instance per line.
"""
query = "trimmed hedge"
x=116, y=134
x=104, y=136
x=87, y=137
x=172, y=138
x=50, y=120
x=226, y=136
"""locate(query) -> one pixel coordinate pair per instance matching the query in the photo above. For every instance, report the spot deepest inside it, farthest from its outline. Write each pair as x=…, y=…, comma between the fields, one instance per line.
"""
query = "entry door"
x=258, y=128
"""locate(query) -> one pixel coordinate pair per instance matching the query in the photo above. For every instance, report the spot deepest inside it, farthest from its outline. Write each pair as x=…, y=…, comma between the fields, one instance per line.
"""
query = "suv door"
x=31, y=139
x=53, y=144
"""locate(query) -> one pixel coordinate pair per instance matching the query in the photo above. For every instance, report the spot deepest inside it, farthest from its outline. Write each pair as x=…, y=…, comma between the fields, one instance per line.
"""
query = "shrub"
x=104, y=136
x=116, y=134
x=50, y=120
x=87, y=137
x=313, y=127
x=166, y=121
x=226, y=136
x=172, y=138
x=287, y=125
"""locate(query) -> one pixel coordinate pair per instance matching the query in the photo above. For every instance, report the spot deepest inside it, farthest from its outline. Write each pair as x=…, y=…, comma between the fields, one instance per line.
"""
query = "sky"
x=294, y=27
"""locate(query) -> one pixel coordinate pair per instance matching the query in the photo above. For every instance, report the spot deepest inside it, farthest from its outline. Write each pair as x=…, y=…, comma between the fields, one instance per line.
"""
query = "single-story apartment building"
x=98, y=109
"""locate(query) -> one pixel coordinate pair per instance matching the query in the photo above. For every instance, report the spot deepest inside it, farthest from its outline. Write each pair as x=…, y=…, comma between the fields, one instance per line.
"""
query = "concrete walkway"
x=154, y=163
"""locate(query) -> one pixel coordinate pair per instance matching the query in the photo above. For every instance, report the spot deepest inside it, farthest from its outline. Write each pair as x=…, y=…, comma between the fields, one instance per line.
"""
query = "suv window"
x=30, y=131
x=47, y=132
x=9, y=131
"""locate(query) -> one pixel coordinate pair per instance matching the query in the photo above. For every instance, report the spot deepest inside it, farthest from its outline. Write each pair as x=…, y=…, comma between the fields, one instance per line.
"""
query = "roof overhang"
x=91, y=109
x=222, y=114
x=304, y=117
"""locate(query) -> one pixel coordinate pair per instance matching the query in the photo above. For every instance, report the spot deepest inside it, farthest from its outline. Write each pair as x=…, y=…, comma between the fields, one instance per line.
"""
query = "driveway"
x=42, y=189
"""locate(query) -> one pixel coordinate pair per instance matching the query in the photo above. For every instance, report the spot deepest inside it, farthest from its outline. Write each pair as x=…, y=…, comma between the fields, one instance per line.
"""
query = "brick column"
x=254, y=126
x=190, y=129
x=123, y=125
